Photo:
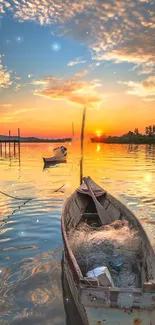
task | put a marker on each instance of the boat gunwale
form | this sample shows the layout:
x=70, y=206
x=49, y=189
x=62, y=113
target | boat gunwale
x=109, y=297
x=75, y=269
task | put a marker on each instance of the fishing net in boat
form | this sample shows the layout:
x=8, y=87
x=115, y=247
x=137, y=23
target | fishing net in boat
x=115, y=246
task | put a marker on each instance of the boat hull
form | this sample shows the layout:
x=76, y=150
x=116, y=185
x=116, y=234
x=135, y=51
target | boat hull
x=74, y=290
x=113, y=316
x=99, y=305
x=53, y=160
x=106, y=316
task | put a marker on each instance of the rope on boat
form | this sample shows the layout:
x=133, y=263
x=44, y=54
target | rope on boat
x=26, y=200
x=58, y=189
x=16, y=198
x=29, y=199
x=4, y=220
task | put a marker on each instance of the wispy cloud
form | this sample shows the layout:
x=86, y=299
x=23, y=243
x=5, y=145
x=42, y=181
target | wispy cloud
x=13, y=116
x=73, y=90
x=39, y=82
x=17, y=87
x=5, y=105
x=118, y=31
x=81, y=74
x=5, y=76
x=24, y=110
x=144, y=89
x=75, y=62
x=149, y=83
x=9, y=119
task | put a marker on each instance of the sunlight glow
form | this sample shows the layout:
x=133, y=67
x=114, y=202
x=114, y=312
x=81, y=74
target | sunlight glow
x=148, y=177
x=98, y=133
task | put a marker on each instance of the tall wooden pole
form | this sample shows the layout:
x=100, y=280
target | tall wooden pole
x=82, y=140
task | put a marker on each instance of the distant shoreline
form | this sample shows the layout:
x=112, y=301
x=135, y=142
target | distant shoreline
x=33, y=140
x=142, y=139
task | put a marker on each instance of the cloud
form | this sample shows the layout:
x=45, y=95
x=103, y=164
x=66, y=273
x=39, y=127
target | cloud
x=74, y=90
x=13, y=116
x=5, y=76
x=5, y=105
x=75, y=62
x=39, y=82
x=17, y=87
x=24, y=110
x=144, y=89
x=118, y=31
x=149, y=83
x=9, y=119
x=81, y=74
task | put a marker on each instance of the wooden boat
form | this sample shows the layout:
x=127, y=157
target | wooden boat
x=60, y=156
x=102, y=305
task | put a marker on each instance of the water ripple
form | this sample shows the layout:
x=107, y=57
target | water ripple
x=30, y=235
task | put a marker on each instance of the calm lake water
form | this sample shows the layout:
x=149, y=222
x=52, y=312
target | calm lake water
x=31, y=289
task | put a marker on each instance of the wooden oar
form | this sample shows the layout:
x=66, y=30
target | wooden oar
x=103, y=215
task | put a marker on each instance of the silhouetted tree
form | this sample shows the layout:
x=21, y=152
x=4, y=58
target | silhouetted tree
x=147, y=130
x=130, y=133
x=136, y=131
x=153, y=129
x=150, y=129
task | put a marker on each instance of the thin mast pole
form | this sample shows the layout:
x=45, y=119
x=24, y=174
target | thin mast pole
x=82, y=141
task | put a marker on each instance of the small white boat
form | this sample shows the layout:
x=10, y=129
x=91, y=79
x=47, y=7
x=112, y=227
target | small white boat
x=100, y=304
x=59, y=157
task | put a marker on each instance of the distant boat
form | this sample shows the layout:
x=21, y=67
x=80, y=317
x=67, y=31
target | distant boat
x=59, y=157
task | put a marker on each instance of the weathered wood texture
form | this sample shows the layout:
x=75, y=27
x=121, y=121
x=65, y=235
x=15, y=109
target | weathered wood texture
x=79, y=206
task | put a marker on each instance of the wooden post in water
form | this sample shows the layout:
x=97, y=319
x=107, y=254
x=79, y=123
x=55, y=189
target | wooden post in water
x=19, y=135
x=9, y=141
x=5, y=147
x=1, y=148
x=14, y=148
x=82, y=140
x=19, y=144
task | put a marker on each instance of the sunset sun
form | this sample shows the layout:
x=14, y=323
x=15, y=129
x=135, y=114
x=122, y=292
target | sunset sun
x=98, y=133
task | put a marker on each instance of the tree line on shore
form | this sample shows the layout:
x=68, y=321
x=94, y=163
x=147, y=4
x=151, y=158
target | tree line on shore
x=149, y=131
x=131, y=137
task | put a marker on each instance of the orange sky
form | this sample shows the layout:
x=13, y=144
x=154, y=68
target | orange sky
x=116, y=115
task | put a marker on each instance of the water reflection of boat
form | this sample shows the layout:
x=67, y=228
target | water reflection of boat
x=98, y=303
x=71, y=311
x=54, y=160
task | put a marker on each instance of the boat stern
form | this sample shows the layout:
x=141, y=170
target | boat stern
x=113, y=308
x=115, y=316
